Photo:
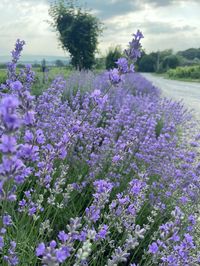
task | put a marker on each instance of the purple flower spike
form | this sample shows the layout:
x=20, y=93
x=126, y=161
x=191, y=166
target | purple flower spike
x=40, y=249
x=153, y=248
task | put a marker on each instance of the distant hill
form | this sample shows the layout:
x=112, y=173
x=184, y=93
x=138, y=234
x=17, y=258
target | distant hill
x=32, y=59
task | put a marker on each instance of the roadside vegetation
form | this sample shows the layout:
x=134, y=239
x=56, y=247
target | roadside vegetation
x=190, y=73
x=183, y=65
x=96, y=168
x=42, y=79
x=94, y=171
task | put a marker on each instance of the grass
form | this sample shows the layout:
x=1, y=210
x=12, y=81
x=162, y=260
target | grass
x=166, y=76
x=2, y=76
x=41, y=83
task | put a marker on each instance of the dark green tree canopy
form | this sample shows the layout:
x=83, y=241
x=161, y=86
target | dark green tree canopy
x=147, y=63
x=171, y=61
x=78, y=32
x=112, y=56
x=190, y=53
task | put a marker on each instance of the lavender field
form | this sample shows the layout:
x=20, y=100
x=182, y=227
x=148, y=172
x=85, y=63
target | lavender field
x=98, y=170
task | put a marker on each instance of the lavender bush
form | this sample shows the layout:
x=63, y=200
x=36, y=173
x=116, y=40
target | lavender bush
x=98, y=170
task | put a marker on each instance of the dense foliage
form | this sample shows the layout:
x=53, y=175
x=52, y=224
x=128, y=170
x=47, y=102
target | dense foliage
x=159, y=61
x=78, y=32
x=187, y=72
x=190, y=53
x=171, y=61
x=162, y=61
x=98, y=170
x=147, y=63
x=112, y=56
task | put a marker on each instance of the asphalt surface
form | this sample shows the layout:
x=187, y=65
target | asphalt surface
x=189, y=92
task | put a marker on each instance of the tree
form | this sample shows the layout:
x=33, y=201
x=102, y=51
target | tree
x=147, y=63
x=165, y=53
x=137, y=63
x=171, y=61
x=78, y=32
x=190, y=53
x=112, y=56
x=100, y=63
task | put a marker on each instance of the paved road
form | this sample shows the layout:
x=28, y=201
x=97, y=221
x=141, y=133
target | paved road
x=189, y=92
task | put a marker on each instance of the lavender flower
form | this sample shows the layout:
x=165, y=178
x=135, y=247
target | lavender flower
x=95, y=170
x=123, y=66
x=153, y=248
x=134, y=50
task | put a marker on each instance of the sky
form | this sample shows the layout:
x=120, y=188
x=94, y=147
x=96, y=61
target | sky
x=165, y=24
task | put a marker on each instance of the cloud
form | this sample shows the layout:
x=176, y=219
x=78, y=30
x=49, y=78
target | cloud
x=104, y=9
x=159, y=27
x=160, y=2
x=164, y=3
x=160, y=21
x=25, y=20
x=108, y=9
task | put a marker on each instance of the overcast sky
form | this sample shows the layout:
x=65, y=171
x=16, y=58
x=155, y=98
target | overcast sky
x=164, y=23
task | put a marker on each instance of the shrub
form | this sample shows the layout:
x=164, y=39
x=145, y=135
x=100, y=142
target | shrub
x=171, y=61
x=190, y=72
x=98, y=178
x=147, y=64
x=112, y=56
x=78, y=32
